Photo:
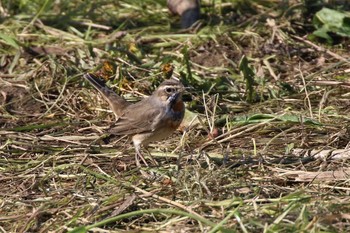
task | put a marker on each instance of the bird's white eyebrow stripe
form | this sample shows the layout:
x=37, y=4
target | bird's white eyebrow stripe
x=169, y=86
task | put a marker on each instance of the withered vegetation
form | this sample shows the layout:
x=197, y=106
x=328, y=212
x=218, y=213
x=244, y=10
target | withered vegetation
x=265, y=147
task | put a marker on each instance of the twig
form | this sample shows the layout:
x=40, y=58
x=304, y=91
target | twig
x=306, y=92
x=165, y=200
x=239, y=133
x=321, y=49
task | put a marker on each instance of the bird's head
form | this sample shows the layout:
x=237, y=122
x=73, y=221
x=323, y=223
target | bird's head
x=170, y=91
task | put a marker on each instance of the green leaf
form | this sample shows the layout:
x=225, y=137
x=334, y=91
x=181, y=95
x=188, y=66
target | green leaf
x=79, y=230
x=329, y=20
x=248, y=75
x=9, y=40
x=323, y=33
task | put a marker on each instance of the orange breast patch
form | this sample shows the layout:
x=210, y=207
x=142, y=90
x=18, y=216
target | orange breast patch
x=178, y=106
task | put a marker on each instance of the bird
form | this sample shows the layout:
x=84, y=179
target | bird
x=152, y=119
x=189, y=10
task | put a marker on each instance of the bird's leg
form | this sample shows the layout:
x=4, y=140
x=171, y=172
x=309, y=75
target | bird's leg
x=153, y=160
x=139, y=155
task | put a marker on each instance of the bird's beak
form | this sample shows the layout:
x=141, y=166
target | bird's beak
x=174, y=96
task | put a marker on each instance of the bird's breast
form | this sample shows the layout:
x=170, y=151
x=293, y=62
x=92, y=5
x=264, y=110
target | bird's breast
x=175, y=115
x=178, y=107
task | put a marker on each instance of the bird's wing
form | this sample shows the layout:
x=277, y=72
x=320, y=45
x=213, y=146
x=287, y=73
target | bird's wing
x=138, y=118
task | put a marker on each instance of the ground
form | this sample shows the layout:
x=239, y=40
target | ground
x=264, y=147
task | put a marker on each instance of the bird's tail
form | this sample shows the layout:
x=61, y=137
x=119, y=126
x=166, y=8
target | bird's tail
x=116, y=102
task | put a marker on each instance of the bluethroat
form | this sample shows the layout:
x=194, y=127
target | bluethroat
x=151, y=119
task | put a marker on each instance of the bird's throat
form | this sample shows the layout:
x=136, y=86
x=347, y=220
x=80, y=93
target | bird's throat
x=178, y=106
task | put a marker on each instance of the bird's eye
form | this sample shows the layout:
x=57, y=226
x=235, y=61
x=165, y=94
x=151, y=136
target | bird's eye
x=170, y=90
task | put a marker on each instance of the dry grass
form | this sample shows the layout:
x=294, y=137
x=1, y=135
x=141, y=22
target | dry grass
x=271, y=168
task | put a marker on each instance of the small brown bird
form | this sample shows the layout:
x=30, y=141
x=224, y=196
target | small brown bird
x=189, y=10
x=151, y=119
